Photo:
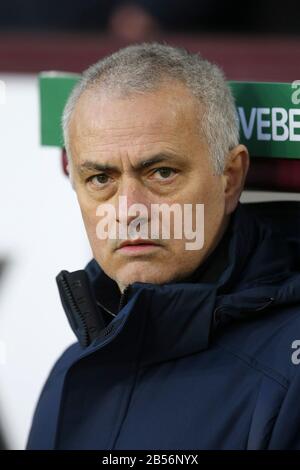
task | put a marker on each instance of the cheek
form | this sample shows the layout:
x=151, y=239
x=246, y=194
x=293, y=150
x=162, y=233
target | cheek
x=88, y=210
x=90, y=220
x=210, y=194
x=211, y=190
x=102, y=248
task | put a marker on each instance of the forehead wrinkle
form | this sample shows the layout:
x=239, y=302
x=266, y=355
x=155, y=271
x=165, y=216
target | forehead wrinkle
x=142, y=163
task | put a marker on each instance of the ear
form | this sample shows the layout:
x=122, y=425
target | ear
x=70, y=175
x=234, y=175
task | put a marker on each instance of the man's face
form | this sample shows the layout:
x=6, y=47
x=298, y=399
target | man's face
x=160, y=128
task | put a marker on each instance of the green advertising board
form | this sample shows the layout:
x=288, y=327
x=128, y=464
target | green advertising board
x=269, y=114
x=55, y=87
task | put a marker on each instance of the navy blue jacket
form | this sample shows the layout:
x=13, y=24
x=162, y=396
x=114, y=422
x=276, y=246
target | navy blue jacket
x=186, y=365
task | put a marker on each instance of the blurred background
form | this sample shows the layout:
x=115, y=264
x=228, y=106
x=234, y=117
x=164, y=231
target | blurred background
x=41, y=231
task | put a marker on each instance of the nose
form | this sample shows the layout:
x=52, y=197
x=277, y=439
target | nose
x=132, y=202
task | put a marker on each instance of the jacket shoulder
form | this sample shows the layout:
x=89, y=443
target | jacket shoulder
x=67, y=357
x=269, y=343
x=44, y=423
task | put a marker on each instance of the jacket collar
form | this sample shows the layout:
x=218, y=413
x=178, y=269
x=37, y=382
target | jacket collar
x=176, y=319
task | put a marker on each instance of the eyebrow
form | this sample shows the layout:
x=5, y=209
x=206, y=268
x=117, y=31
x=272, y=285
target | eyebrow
x=158, y=158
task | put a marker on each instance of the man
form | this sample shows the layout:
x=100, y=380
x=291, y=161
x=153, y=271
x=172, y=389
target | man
x=178, y=348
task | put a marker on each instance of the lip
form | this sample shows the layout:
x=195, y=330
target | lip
x=139, y=241
x=137, y=246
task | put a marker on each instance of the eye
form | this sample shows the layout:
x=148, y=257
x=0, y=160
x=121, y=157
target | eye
x=164, y=172
x=98, y=180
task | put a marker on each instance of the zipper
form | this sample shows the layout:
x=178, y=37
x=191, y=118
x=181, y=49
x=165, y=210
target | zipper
x=72, y=302
x=105, y=308
x=80, y=305
x=123, y=300
x=124, y=297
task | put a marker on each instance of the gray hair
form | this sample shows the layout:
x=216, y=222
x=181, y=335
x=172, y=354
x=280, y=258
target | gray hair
x=142, y=68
